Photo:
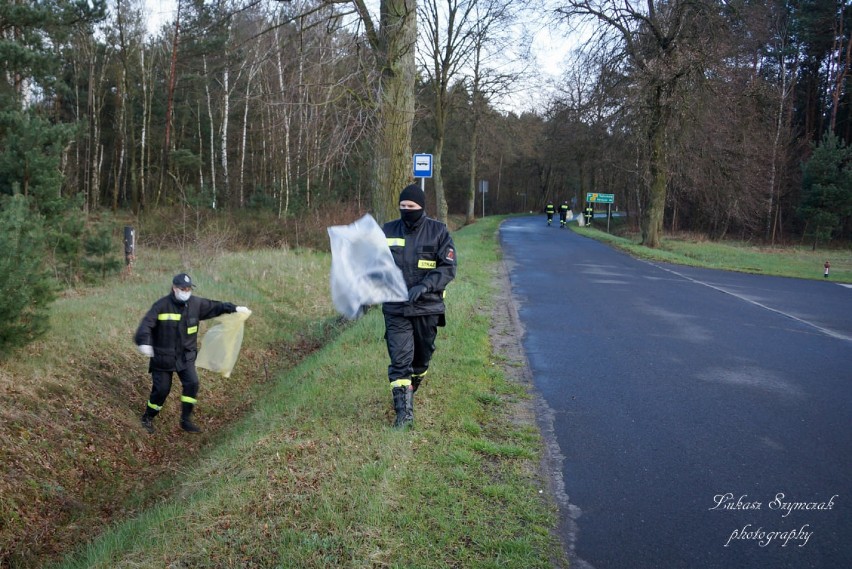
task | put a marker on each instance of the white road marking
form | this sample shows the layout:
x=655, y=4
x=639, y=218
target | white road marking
x=825, y=331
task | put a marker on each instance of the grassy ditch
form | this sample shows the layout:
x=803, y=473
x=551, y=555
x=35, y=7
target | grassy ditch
x=314, y=476
x=794, y=261
x=74, y=458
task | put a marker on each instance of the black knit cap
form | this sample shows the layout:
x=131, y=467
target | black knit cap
x=413, y=193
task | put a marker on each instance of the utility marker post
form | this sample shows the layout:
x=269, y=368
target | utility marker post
x=129, y=248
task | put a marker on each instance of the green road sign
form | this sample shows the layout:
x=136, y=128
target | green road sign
x=600, y=198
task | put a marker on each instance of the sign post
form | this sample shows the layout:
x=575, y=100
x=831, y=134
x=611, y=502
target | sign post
x=483, y=189
x=608, y=199
x=422, y=168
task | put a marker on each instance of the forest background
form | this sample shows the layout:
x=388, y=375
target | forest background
x=725, y=119
x=253, y=124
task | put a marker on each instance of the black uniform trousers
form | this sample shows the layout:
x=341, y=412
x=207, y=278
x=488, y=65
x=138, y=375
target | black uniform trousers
x=411, y=343
x=162, y=384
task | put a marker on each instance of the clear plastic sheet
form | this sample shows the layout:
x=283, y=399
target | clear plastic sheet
x=221, y=344
x=363, y=272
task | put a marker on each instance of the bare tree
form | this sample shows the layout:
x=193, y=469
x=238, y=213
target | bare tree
x=495, y=53
x=841, y=59
x=660, y=44
x=447, y=29
x=393, y=45
x=170, y=101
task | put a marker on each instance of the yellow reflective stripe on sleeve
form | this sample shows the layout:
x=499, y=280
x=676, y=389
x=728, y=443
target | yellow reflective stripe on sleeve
x=396, y=242
x=400, y=383
x=155, y=407
x=185, y=399
x=192, y=330
x=168, y=316
x=422, y=264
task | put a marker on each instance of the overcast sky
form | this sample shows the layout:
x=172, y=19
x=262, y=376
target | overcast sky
x=159, y=12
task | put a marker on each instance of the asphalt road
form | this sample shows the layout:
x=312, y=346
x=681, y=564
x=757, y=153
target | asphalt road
x=700, y=419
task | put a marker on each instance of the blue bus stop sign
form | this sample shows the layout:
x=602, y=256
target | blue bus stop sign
x=422, y=165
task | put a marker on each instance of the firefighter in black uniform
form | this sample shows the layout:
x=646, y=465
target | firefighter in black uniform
x=423, y=249
x=168, y=335
x=549, y=210
x=563, y=214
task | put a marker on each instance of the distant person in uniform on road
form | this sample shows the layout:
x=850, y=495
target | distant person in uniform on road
x=549, y=210
x=423, y=249
x=168, y=334
x=563, y=214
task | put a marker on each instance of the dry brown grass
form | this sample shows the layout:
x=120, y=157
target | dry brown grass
x=74, y=458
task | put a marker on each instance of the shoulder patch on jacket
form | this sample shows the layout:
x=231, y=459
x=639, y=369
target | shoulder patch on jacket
x=451, y=255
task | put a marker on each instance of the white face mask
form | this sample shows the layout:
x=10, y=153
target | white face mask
x=182, y=295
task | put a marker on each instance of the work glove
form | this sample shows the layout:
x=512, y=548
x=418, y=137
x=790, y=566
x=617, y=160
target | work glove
x=243, y=309
x=145, y=350
x=229, y=307
x=415, y=292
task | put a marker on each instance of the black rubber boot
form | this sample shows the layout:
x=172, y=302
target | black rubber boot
x=403, y=404
x=185, y=423
x=416, y=380
x=147, y=419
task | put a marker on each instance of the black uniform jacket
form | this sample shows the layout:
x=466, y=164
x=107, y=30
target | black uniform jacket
x=426, y=255
x=171, y=327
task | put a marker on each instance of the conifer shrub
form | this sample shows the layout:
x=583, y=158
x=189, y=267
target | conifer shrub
x=100, y=260
x=26, y=286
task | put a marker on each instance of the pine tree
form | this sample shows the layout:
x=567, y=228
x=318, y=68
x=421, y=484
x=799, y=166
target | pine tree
x=26, y=287
x=827, y=188
x=31, y=142
x=101, y=260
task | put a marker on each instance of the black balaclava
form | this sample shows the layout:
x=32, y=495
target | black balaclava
x=412, y=193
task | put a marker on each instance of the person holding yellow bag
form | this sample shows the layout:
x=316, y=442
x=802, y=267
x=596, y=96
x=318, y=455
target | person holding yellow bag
x=168, y=335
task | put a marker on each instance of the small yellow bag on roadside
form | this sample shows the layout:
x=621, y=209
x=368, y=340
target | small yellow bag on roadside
x=221, y=344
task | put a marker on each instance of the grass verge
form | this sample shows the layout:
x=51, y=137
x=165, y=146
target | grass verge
x=73, y=455
x=314, y=476
x=798, y=262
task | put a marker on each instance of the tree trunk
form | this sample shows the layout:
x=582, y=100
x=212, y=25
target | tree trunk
x=284, y=191
x=438, y=180
x=143, y=143
x=226, y=109
x=120, y=137
x=471, y=193
x=170, y=102
x=244, y=137
x=392, y=167
x=212, y=134
x=652, y=223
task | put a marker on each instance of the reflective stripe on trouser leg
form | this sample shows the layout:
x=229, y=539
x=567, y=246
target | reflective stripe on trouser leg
x=417, y=379
x=189, y=382
x=411, y=343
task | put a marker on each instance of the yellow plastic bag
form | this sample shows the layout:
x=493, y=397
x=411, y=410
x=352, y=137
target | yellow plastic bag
x=221, y=344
